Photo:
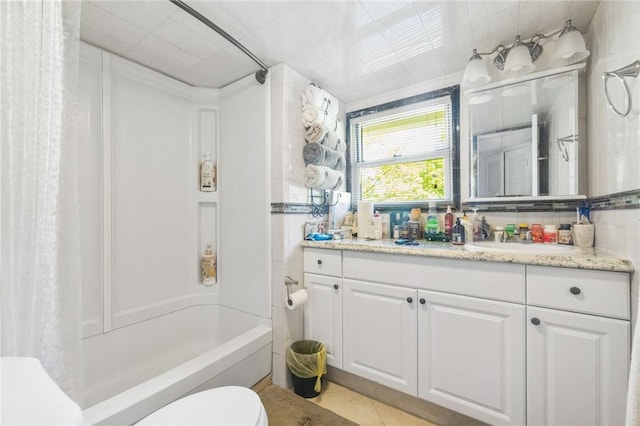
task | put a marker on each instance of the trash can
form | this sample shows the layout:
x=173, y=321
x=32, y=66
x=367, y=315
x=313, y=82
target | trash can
x=307, y=362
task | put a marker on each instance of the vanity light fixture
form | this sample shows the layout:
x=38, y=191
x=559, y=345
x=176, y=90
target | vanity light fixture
x=519, y=57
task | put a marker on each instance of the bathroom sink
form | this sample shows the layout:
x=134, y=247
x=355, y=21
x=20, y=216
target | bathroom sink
x=524, y=248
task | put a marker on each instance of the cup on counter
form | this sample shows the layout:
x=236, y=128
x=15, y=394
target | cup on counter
x=583, y=235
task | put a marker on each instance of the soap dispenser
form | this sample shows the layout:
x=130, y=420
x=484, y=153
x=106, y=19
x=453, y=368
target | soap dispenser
x=457, y=233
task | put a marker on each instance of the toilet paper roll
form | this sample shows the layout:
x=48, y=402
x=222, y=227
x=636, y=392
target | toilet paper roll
x=296, y=299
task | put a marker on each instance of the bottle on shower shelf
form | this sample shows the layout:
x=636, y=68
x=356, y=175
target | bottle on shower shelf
x=207, y=174
x=208, y=267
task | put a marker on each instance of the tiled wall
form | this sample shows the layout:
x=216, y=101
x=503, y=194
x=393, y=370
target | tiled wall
x=287, y=186
x=614, y=142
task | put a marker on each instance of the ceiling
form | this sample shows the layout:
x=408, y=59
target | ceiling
x=354, y=49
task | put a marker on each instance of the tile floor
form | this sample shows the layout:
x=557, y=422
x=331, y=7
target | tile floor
x=363, y=410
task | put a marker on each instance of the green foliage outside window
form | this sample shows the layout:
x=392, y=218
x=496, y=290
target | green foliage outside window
x=416, y=181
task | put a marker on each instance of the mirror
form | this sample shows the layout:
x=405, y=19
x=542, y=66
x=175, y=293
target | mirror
x=524, y=137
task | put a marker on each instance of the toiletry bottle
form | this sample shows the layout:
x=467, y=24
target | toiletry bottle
x=207, y=174
x=208, y=267
x=477, y=226
x=537, y=233
x=404, y=229
x=448, y=222
x=564, y=234
x=432, y=224
x=523, y=229
x=415, y=227
x=550, y=234
x=468, y=227
x=486, y=229
x=457, y=233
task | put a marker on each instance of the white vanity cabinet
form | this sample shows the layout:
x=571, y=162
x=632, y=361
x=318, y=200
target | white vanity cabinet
x=323, y=312
x=504, y=343
x=577, y=363
x=380, y=333
x=471, y=356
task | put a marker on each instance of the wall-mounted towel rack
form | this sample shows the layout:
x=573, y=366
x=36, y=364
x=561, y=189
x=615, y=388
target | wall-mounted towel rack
x=631, y=70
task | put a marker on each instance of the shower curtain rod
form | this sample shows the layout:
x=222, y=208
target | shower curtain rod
x=260, y=74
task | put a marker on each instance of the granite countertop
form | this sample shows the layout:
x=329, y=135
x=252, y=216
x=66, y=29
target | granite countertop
x=589, y=259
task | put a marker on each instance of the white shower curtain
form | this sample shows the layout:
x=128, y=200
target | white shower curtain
x=39, y=234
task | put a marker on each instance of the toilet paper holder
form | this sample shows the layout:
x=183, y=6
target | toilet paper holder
x=288, y=282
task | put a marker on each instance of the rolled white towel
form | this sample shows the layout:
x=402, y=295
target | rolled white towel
x=334, y=141
x=314, y=95
x=322, y=177
x=316, y=133
x=312, y=114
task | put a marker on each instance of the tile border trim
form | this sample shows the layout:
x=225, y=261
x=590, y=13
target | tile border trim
x=616, y=201
x=291, y=208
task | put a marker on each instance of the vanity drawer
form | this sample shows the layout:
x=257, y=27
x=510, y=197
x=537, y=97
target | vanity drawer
x=578, y=290
x=323, y=261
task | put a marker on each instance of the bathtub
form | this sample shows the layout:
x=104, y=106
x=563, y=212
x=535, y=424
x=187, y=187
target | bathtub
x=135, y=370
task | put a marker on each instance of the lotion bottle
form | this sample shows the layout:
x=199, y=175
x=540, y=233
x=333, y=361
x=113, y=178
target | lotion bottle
x=207, y=174
x=208, y=267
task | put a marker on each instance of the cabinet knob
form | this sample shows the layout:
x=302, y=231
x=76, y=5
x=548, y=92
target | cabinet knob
x=409, y=299
x=575, y=290
x=535, y=321
x=335, y=286
x=319, y=261
x=422, y=301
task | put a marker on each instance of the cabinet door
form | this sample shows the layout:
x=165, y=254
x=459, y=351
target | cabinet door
x=471, y=356
x=576, y=368
x=380, y=334
x=323, y=314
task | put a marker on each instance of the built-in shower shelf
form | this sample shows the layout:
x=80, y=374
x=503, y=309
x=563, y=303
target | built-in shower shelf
x=207, y=197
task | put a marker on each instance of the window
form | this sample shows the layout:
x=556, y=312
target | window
x=406, y=152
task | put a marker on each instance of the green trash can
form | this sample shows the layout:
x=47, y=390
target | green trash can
x=307, y=362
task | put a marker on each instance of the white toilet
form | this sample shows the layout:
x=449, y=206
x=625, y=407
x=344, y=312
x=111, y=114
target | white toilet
x=228, y=405
x=30, y=397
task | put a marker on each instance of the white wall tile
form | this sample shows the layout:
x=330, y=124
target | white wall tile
x=614, y=39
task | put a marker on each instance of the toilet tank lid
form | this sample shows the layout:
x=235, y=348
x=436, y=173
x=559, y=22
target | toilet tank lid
x=30, y=397
x=228, y=405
